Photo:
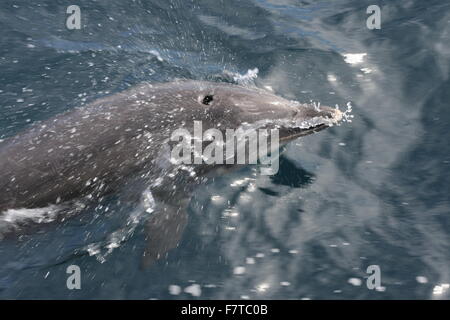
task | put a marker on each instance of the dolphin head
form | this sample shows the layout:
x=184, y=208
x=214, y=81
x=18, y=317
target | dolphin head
x=230, y=106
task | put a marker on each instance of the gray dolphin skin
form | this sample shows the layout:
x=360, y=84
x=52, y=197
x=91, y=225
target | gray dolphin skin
x=117, y=140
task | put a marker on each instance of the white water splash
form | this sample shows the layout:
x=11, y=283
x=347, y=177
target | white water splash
x=38, y=215
x=440, y=290
x=346, y=115
x=102, y=249
x=354, y=58
x=194, y=289
x=247, y=78
x=157, y=55
x=12, y=219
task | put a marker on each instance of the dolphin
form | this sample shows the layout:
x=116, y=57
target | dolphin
x=118, y=141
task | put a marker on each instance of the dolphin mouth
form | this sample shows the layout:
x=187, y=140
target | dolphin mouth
x=317, y=115
x=321, y=119
x=288, y=134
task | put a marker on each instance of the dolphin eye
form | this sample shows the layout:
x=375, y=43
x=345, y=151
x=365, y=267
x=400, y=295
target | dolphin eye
x=207, y=99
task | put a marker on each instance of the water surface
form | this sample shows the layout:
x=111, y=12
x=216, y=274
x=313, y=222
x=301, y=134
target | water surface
x=371, y=192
